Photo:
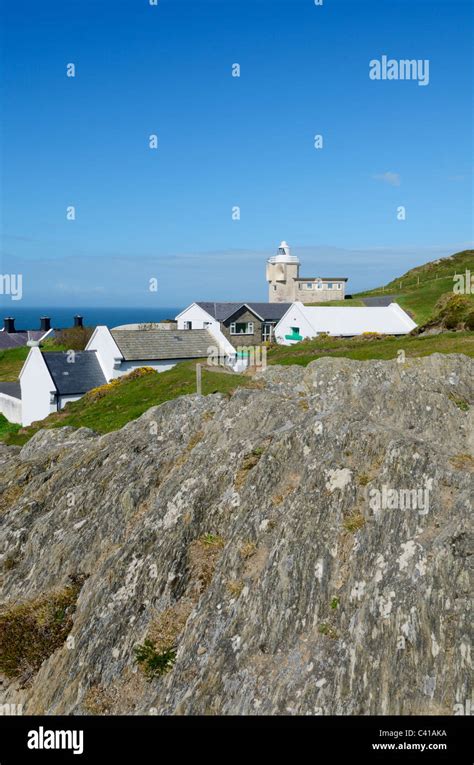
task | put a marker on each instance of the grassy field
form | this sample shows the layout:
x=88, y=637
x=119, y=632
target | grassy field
x=12, y=360
x=112, y=406
x=419, y=290
x=363, y=348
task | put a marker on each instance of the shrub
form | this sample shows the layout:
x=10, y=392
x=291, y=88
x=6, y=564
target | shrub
x=73, y=338
x=153, y=663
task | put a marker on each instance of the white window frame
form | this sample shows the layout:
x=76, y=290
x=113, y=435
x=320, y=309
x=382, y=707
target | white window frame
x=250, y=328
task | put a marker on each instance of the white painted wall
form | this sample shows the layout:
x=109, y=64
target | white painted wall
x=202, y=320
x=10, y=407
x=198, y=316
x=63, y=400
x=160, y=366
x=343, y=321
x=108, y=352
x=37, y=389
x=294, y=317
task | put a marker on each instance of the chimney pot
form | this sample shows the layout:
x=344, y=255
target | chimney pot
x=9, y=324
x=78, y=321
x=45, y=323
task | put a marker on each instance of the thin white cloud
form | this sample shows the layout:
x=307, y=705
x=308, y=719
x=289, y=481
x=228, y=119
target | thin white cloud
x=393, y=179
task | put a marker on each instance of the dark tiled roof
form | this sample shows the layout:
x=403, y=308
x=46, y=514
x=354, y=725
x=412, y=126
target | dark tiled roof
x=160, y=344
x=11, y=389
x=220, y=311
x=16, y=339
x=74, y=377
x=268, y=311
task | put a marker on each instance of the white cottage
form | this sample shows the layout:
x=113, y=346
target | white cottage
x=302, y=321
x=121, y=350
x=48, y=381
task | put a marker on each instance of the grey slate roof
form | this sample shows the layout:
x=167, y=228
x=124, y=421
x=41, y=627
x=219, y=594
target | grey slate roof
x=161, y=344
x=11, y=389
x=270, y=311
x=223, y=311
x=17, y=339
x=220, y=311
x=77, y=377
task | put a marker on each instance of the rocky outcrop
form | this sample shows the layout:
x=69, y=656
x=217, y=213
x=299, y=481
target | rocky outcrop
x=298, y=548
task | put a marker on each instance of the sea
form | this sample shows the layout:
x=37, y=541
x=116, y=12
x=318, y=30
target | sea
x=29, y=317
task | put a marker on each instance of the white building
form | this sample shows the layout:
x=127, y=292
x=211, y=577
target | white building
x=121, y=350
x=285, y=285
x=48, y=381
x=301, y=321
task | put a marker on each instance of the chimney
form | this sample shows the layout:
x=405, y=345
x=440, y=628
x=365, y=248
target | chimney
x=45, y=323
x=9, y=324
x=78, y=321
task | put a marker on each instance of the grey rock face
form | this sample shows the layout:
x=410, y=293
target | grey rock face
x=340, y=494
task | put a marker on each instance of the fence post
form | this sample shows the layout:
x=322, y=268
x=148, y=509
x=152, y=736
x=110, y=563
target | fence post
x=198, y=379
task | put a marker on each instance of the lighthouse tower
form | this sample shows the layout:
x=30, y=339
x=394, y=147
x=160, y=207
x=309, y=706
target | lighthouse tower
x=282, y=273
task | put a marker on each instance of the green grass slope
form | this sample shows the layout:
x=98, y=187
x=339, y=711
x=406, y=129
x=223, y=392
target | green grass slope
x=419, y=289
x=371, y=347
x=12, y=360
x=113, y=405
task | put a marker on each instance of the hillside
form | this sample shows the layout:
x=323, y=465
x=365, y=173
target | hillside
x=233, y=555
x=419, y=289
x=109, y=408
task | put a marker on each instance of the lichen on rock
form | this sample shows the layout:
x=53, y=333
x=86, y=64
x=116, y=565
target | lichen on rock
x=296, y=559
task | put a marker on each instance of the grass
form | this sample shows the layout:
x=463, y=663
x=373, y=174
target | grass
x=363, y=348
x=31, y=631
x=419, y=289
x=112, y=406
x=7, y=428
x=354, y=523
x=12, y=360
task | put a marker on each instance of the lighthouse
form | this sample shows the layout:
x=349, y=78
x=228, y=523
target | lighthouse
x=285, y=285
x=282, y=273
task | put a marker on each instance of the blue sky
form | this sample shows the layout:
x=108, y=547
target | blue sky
x=228, y=141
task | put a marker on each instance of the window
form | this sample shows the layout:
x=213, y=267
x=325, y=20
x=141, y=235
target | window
x=309, y=285
x=274, y=286
x=329, y=285
x=242, y=328
x=319, y=285
x=267, y=331
x=188, y=325
x=338, y=286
